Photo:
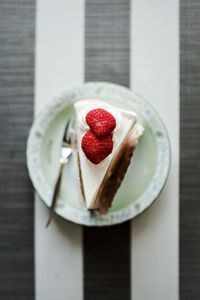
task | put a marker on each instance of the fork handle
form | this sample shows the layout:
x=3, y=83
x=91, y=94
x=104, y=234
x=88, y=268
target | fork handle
x=56, y=191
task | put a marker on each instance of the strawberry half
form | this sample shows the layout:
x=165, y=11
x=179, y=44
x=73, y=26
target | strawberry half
x=100, y=121
x=96, y=148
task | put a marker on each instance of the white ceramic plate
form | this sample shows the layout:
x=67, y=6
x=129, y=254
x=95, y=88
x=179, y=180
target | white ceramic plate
x=146, y=175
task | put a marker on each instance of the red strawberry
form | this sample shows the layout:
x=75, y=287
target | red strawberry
x=96, y=148
x=100, y=121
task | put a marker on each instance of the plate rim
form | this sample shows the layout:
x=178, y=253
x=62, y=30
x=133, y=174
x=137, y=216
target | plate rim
x=84, y=217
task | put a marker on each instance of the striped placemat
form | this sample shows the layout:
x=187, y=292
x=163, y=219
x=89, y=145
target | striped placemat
x=133, y=43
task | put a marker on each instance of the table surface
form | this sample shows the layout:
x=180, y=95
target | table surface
x=50, y=46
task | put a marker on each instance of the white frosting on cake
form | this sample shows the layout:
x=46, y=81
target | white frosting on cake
x=92, y=175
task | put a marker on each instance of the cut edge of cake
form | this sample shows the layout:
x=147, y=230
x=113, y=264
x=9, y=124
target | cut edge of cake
x=116, y=164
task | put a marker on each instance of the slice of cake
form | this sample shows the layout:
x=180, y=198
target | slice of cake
x=106, y=139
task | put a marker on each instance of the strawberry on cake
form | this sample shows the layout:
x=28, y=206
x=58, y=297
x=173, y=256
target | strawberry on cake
x=106, y=139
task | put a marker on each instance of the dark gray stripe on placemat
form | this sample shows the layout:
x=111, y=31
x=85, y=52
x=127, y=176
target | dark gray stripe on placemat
x=107, y=263
x=16, y=112
x=107, y=250
x=190, y=151
x=107, y=38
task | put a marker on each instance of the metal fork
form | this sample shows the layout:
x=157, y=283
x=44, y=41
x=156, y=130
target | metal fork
x=66, y=151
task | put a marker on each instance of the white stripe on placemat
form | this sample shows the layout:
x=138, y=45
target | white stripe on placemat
x=59, y=66
x=155, y=75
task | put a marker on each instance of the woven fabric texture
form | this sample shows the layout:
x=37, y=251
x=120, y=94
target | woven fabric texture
x=107, y=38
x=190, y=150
x=16, y=114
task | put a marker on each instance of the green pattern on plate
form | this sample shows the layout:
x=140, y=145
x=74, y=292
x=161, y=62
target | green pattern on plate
x=146, y=175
